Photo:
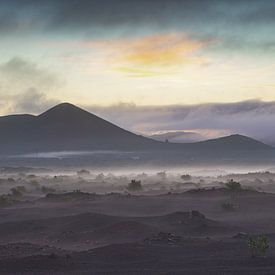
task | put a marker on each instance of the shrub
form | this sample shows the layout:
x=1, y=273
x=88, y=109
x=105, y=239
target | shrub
x=83, y=173
x=34, y=183
x=233, y=185
x=134, y=185
x=4, y=200
x=46, y=189
x=162, y=175
x=258, y=245
x=186, y=177
x=16, y=192
x=21, y=188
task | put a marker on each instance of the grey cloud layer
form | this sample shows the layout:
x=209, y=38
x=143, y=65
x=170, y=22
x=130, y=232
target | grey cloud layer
x=252, y=118
x=248, y=23
x=24, y=86
x=22, y=70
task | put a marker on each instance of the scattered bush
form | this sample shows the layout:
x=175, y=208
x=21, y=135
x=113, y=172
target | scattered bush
x=34, y=183
x=233, y=185
x=18, y=191
x=4, y=200
x=186, y=177
x=162, y=175
x=47, y=190
x=258, y=245
x=21, y=188
x=83, y=173
x=15, y=192
x=134, y=185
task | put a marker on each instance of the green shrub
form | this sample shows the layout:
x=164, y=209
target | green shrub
x=233, y=185
x=258, y=245
x=134, y=185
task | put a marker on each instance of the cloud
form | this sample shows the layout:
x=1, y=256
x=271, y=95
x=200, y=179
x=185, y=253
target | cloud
x=122, y=13
x=18, y=69
x=25, y=86
x=7, y=25
x=252, y=118
x=32, y=101
x=104, y=13
x=152, y=55
x=244, y=23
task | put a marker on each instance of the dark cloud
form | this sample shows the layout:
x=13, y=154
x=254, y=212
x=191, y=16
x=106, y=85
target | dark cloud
x=253, y=118
x=83, y=13
x=209, y=18
x=7, y=24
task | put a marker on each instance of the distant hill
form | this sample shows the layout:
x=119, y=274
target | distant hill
x=178, y=137
x=236, y=142
x=66, y=127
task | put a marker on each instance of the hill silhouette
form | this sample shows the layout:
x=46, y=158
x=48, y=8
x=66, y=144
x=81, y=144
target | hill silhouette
x=66, y=127
x=238, y=142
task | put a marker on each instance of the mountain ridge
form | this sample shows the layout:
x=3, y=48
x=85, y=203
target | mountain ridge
x=66, y=127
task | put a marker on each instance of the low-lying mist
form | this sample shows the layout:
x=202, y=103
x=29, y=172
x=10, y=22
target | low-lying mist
x=31, y=183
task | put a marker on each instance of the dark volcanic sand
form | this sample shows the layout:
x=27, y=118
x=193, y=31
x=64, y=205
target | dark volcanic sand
x=118, y=234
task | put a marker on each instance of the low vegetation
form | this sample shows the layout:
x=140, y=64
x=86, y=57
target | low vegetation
x=5, y=200
x=34, y=183
x=258, y=245
x=186, y=177
x=162, y=175
x=46, y=190
x=233, y=185
x=134, y=185
x=83, y=173
x=18, y=191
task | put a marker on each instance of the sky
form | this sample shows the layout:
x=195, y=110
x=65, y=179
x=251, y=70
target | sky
x=190, y=69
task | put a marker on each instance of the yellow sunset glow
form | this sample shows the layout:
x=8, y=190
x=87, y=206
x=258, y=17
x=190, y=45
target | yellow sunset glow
x=152, y=55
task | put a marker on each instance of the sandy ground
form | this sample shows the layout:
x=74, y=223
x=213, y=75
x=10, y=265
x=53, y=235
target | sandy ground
x=174, y=232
